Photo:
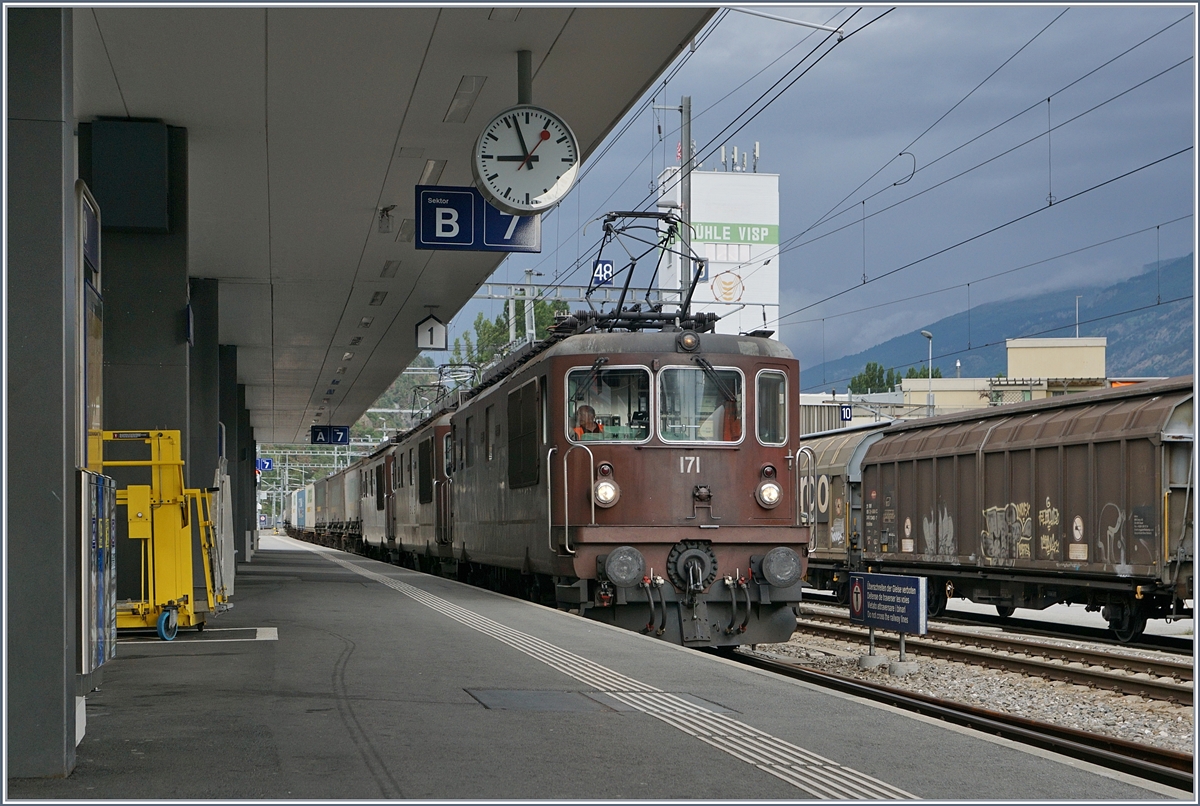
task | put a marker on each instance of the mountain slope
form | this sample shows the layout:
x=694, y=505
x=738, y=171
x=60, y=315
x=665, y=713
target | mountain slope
x=1145, y=337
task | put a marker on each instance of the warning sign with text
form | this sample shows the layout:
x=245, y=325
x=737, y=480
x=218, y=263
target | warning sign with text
x=889, y=602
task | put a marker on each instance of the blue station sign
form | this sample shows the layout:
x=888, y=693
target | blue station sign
x=458, y=218
x=890, y=602
x=329, y=435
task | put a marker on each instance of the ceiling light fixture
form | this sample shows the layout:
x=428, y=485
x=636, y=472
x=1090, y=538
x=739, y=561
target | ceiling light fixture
x=340, y=371
x=464, y=98
x=354, y=342
x=348, y=356
x=408, y=229
x=389, y=268
x=366, y=321
x=432, y=173
x=378, y=297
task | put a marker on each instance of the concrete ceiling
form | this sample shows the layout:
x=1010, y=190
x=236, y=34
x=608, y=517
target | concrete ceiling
x=304, y=122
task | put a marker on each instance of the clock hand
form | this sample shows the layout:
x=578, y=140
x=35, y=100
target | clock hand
x=517, y=158
x=521, y=137
x=543, y=137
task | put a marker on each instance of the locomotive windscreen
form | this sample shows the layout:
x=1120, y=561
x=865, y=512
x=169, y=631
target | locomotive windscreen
x=700, y=406
x=609, y=404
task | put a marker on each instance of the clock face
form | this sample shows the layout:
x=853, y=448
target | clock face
x=525, y=160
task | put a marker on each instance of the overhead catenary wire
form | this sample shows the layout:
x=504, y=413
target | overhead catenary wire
x=702, y=154
x=992, y=276
x=820, y=220
x=790, y=244
x=986, y=232
x=782, y=249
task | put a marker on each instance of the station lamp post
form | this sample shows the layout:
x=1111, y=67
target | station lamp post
x=929, y=397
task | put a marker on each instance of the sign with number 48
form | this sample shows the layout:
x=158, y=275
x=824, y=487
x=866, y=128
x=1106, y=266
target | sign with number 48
x=602, y=272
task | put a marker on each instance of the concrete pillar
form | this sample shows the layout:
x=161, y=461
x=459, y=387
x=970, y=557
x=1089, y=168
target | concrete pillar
x=42, y=540
x=204, y=384
x=247, y=453
x=228, y=407
x=146, y=327
x=146, y=376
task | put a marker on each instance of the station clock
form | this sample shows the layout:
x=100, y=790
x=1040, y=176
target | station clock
x=525, y=160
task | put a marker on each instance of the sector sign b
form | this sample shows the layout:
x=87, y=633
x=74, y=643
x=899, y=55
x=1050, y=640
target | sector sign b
x=460, y=219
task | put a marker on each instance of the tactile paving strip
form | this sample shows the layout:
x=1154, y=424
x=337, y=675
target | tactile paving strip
x=819, y=777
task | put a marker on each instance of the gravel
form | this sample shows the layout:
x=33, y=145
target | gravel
x=1130, y=717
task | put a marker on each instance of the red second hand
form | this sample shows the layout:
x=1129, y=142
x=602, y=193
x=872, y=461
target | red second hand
x=545, y=135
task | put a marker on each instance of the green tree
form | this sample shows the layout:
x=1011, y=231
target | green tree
x=491, y=335
x=923, y=372
x=874, y=379
x=378, y=425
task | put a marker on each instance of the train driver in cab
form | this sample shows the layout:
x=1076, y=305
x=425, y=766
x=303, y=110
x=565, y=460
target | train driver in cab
x=586, y=426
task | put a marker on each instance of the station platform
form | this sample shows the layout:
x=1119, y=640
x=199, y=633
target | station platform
x=336, y=677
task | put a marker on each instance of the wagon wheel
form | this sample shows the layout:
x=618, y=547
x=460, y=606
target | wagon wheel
x=1132, y=631
x=937, y=599
x=841, y=592
x=1004, y=611
x=1126, y=622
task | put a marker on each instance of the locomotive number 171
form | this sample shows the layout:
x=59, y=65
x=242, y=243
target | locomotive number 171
x=689, y=464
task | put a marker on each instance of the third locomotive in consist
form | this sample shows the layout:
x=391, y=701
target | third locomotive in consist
x=1083, y=499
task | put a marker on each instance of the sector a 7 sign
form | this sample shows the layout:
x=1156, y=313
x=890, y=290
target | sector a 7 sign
x=329, y=435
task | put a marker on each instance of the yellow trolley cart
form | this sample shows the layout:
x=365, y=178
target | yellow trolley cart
x=164, y=517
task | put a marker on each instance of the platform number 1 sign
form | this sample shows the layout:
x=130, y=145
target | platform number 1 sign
x=602, y=272
x=431, y=334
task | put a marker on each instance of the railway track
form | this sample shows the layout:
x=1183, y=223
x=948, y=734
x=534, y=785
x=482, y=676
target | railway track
x=1144, y=761
x=1159, y=679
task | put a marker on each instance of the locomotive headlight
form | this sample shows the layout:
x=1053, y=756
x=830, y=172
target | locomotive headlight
x=781, y=567
x=625, y=566
x=606, y=492
x=688, y=341
x=769, y=493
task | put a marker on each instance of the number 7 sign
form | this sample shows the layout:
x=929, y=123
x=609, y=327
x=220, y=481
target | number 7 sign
x=511, y=233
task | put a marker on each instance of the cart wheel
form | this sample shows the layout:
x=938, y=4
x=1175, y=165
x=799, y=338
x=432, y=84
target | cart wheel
x=200, y=627
x=166, y=630
x=1004, y=611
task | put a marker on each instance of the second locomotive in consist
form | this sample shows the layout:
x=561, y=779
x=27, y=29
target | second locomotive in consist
x=646, y=478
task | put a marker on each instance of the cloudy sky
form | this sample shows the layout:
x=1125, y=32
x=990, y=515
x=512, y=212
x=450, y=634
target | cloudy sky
x=954, y=88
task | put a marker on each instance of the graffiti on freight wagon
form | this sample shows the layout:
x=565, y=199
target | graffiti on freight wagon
x=1048, y=540
x=938, y=531
x=1007, y=534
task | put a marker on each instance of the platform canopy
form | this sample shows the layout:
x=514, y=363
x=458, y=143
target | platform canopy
x=304, y=122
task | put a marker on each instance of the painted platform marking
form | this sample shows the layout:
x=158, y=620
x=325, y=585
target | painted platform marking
x=816, y=775
x=260, y=634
